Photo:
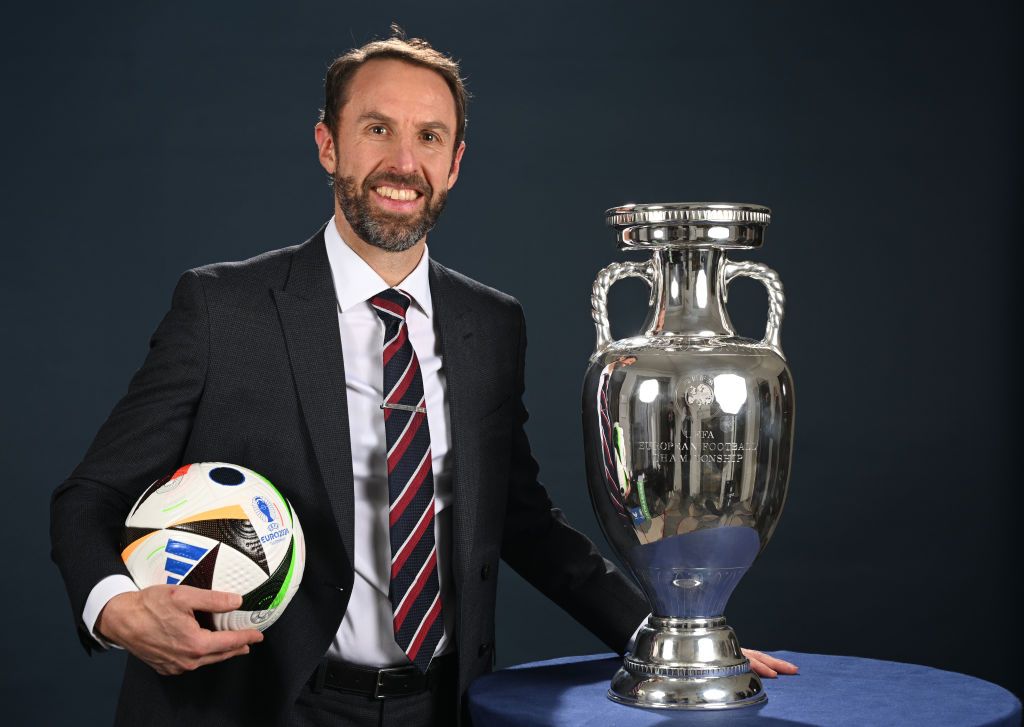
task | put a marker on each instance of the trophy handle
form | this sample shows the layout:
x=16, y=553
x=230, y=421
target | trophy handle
x=599, y=295
x=776, y=297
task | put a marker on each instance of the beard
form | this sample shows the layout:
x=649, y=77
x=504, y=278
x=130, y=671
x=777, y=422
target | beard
x=391, y=232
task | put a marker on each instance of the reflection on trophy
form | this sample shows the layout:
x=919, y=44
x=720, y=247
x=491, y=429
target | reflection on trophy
x=688, y=431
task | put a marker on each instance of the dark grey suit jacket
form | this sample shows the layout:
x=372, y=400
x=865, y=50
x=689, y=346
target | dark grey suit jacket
x=247, y=368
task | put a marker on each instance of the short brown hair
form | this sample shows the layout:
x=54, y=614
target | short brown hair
x=411, y=50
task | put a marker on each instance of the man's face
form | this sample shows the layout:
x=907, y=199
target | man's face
x=392, y=158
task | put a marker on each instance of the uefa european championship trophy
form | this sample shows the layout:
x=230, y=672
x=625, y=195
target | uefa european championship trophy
x=688, y=433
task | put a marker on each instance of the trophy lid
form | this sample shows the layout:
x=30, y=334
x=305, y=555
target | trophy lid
x=726, y=225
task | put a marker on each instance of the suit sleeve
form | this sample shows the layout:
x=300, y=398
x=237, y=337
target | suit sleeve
x=558, y=560
x=143, y=439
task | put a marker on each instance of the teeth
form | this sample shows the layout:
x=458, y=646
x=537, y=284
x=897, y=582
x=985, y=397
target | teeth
x=393, y=193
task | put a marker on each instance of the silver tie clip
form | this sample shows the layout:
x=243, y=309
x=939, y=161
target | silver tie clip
x=404, y=407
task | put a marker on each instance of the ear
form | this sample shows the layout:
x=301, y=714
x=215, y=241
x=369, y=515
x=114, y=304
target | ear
x=456, y=161
x=327, y=153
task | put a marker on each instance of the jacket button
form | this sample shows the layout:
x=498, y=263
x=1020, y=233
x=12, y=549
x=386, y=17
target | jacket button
x=484, y=648
x=485, y=572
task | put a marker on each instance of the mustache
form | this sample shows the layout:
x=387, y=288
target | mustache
x=411, y=181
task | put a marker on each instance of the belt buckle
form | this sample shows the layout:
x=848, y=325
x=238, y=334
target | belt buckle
x=379, y=686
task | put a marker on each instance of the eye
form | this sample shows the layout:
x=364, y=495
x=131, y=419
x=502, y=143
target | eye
x=430, y=136
x=378, y=129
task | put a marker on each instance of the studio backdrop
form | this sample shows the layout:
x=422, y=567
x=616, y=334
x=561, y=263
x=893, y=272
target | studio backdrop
x=143, y=140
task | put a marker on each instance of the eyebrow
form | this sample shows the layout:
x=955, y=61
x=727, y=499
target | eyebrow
x=378, y=116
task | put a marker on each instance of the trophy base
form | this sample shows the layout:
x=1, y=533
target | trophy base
x=693, y=663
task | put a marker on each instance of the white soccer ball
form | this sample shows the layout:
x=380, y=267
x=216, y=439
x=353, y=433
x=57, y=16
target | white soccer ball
x=222, y=527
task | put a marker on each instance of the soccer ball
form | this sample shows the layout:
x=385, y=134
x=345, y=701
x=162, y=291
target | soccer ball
x=222, y=527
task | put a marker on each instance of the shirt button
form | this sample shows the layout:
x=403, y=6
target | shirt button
x=485, y=572
x=484, y=648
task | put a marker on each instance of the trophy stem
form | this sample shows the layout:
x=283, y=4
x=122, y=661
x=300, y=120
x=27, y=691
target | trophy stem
x=686, y=663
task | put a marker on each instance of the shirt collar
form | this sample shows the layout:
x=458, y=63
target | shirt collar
x=356, y=282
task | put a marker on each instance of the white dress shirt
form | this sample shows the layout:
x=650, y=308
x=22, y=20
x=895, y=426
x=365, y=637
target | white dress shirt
x=366, y=635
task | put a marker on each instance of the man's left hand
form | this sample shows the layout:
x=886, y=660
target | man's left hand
x=768, y=666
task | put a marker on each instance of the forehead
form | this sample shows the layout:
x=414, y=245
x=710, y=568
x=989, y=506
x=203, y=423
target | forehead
x=400, y=90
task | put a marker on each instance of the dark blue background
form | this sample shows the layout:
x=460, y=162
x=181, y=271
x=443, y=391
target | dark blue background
x=141, y=141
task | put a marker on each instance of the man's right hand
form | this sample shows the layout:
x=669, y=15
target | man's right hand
x=158, y=626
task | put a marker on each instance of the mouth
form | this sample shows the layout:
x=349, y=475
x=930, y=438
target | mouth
x=397, y=199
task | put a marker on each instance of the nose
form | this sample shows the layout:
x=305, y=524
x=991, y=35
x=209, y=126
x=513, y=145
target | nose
x=402, y=157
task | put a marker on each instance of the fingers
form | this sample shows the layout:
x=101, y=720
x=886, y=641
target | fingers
x=208, y=647
x=779, y=665
x=221, y=656
x=768, y=666
x=762, y=669
x=200, y=599
x=214, y=642
x=180, y=665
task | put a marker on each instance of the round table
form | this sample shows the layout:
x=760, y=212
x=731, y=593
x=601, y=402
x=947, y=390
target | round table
x=829, y=690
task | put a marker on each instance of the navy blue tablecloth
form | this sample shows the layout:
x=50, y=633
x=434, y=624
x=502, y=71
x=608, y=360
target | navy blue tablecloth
x=829, y=690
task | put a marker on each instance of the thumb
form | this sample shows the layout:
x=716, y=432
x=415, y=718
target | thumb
x=201, y=599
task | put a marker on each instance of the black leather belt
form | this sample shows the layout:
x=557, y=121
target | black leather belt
x=397, y=681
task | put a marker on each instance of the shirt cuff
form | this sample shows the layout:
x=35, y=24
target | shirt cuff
x=632, y=639
x=101, y=593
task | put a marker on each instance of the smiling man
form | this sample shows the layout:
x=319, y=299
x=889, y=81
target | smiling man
x=382, y=392
x=402, y=145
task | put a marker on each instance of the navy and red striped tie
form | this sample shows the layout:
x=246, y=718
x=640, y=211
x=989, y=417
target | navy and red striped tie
x=415, y=592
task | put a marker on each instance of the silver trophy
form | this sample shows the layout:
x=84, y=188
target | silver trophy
x=688, y=432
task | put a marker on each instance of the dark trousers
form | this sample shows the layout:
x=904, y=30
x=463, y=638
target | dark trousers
x=332, y=708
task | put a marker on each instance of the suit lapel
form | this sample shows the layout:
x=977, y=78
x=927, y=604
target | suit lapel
x=308, y=309
x=457, y=325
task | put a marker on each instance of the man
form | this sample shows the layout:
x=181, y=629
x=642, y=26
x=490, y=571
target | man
x=382, y=392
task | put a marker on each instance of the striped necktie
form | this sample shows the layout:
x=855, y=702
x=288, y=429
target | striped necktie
x=415, y=590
